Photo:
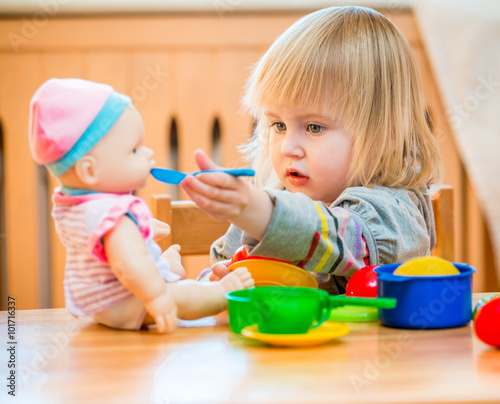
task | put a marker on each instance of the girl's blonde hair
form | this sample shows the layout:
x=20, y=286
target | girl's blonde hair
x=353, y=65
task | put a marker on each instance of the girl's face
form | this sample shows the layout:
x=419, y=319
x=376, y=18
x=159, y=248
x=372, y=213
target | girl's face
x=123, y=162
x=309, y=152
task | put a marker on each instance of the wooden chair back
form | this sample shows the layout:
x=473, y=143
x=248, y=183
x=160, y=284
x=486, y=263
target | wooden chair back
x=442, y=205
x=195, y=231
x=191, y=228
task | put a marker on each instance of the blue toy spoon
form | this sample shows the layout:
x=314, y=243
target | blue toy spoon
x=175, y=177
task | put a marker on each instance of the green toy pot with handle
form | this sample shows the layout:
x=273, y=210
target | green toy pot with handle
x=289, y=310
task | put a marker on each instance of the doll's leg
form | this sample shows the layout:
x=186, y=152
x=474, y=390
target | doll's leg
x=129, y=314
x=200, y=299
x=193, y=299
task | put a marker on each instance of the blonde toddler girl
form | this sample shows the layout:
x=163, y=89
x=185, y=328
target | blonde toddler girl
x=344, y=155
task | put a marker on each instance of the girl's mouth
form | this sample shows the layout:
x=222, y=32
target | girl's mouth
x=290, y=171
x=295, y=177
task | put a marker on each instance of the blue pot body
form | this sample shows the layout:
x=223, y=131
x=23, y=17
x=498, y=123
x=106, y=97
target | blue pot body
x=426, y=302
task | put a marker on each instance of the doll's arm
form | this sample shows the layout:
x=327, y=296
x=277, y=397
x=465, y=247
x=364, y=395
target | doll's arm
x=130, y=262
x=224, y=197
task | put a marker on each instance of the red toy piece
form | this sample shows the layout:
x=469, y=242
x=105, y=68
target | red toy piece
x=241, y=254
x=363, y=283
x=487, y=320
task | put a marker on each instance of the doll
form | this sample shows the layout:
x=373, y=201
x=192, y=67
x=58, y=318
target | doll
x=91, y=139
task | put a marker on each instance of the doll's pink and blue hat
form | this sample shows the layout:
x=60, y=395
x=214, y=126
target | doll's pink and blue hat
x=68, y=117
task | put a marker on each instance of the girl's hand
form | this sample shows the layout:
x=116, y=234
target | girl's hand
x=224, y=197
x=221, y=196
x=164, y=311
x=160, y=229
x=219, y=271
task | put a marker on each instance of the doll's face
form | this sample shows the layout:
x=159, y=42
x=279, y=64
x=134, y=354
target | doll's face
x=122, y=162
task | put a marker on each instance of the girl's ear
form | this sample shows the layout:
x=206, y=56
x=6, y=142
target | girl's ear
x=86, y=170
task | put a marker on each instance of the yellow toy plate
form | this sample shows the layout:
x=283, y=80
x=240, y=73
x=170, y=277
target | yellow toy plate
x=316, y=336
x=276, y=273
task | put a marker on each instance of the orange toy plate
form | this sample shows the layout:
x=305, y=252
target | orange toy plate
x=276, y=273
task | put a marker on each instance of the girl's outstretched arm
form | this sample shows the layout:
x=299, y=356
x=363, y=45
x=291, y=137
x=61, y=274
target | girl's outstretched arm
x=224, y=197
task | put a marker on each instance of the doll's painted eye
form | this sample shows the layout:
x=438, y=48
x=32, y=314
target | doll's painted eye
x=134, y=150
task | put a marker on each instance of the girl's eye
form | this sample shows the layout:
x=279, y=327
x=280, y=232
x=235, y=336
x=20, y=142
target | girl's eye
x=313, y=128
x=134, y=150
x=280, y=126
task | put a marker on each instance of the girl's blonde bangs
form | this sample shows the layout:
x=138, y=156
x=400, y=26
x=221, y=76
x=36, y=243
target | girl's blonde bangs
x=299, y=89
x=297, y=71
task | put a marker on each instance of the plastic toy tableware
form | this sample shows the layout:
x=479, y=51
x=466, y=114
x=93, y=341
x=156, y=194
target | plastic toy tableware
x=354, y=314
x=487, y=320
x=175, y=177
x=295, y=310
x=245, y=308
x=426, y=302
x=363, y=283
x=269, y=272
x=324, y=333
x=426, y=266
x=241, y=254
x=242, y=309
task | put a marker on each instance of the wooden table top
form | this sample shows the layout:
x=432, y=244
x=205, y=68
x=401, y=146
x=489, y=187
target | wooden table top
x=61, y=359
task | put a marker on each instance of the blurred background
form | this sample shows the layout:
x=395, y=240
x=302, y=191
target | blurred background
x=184, y=64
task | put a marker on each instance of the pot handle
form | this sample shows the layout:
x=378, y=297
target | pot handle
x=378, y=302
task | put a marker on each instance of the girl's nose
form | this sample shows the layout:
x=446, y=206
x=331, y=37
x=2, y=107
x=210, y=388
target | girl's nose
x=149, y=152
x=292, y=145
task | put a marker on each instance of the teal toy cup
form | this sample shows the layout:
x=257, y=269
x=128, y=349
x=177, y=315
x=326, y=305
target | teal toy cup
x=289, y=310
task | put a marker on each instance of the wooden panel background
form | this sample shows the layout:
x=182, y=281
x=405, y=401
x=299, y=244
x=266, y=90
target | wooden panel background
x=190, y=69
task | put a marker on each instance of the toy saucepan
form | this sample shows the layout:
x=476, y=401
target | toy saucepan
x=426, y=302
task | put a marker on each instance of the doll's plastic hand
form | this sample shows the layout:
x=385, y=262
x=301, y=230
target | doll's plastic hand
x=164, y=312
x=219, y=270
x=171, y=254
x=238, y=279
x=160, y=229
x=221, y=196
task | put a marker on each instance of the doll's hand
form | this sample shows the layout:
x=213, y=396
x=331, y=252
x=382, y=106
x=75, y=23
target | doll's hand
x=160, y=229
x=164, y=311
x=219, y=271
x=171, y=254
